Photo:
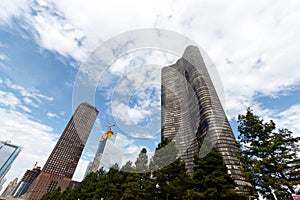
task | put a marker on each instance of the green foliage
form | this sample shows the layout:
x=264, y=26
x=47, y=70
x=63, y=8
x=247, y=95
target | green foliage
x=171, y=181
x=141, y=163
x=164, y=177
x=56, y=194
x=165, y=154
x=211, y=180
x=269, y=157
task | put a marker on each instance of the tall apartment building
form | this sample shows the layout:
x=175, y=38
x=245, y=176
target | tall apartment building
x=192, y=111
x=8, y=153
x=62, y=162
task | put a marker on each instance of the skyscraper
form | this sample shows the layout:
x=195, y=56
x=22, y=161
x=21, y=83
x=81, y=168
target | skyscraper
x=192, y=111
x=8, y=153
x=62, y=162
x=26, y=181
x=108, y=152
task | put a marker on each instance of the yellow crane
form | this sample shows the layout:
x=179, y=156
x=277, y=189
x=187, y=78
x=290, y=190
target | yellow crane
x=109, y=132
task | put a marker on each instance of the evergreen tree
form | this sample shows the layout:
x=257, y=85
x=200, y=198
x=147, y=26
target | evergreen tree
x=111, y=184
x=170, y=181
x=56, y=194
x=135, y=183
x=269, y=157
x=211, y=180
x=141, y=163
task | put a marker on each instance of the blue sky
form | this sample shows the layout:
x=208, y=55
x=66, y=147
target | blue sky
x=44, y=44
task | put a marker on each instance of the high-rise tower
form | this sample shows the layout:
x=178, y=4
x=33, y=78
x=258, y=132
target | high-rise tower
x=108, y=152
x=192, y=111
x=62, y=162
x=8, y=153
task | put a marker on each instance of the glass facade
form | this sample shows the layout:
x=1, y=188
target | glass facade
x=8, y=153
x=192, y=113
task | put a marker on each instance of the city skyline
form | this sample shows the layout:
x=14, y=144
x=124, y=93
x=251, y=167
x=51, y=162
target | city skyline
x=44, y=43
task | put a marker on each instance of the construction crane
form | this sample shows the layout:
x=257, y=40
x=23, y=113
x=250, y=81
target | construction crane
x=109, y=132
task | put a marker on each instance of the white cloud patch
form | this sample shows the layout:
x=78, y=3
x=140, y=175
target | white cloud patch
x=30, y=97
x=289, y=119
x=12, y=9
x=52, y=115
x=2, y=56
x=29, y=101
x=54, y=33
x=10, y=100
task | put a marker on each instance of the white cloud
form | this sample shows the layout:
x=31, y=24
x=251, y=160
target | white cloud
x=289, y=118
x=12, y=9
x=10, y=100
x=29, y=95
x=130, y=115
x=135, y=98
x=2, y=56
x=52, y=115
x=252, y=50
x=28, y=101
x=55, y=34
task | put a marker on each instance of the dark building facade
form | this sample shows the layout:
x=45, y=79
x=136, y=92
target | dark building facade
x=26, y=181
x=62, y=162
x=192, y=113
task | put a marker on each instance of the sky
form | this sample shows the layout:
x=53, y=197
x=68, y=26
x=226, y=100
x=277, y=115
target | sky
x=46, y=49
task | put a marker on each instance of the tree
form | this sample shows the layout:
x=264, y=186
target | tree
x=56, y=194
x=211, y=180
x=170, y=179
x=135, y=183
x=269, y=157
x=141, y=163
